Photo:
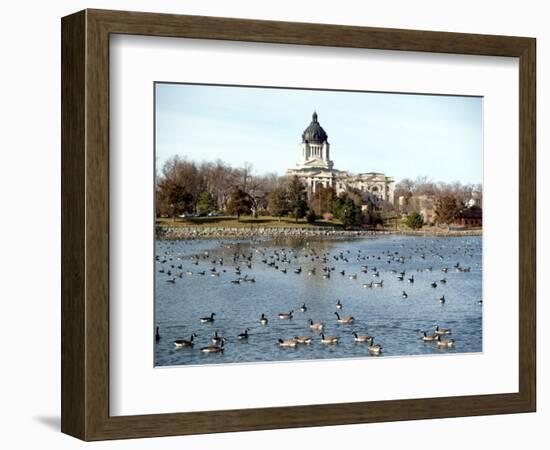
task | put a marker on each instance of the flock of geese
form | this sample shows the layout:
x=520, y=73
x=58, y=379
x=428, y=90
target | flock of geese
x=313, y=262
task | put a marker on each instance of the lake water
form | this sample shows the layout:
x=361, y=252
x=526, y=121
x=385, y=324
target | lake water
x=395, y=322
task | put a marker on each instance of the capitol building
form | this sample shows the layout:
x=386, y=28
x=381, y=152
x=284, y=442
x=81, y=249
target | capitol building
x=315, y=168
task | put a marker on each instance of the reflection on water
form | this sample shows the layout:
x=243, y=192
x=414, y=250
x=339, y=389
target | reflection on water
x=197, y=290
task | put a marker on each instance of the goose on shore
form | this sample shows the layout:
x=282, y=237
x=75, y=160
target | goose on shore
x=214, y=348
x=361, y=338
x=287, y=343
x=374, y=348
x=287, y=315
x=185, y=342
x=315, y=325
x=344, y=320
x=329, y=340
x=208, y=319
x=263, y=319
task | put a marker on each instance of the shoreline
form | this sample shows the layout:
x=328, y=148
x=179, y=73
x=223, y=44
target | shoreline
x=191, y=233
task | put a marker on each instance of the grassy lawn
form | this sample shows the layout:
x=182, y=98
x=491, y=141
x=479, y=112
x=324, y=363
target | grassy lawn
x=244, y=222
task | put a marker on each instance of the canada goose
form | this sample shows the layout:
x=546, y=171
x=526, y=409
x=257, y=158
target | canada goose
x=302, y=339
x=446, y=343
x=400, y=278
x=208, y=319
x=329, y=339
x=339, y=305
x=433, y=284
x=244, y=335
x=374, y=348
x=157, y=334
x=367, y=285
x=404, y=294
x=353, y=277
x=298, y=270
x=442, y=331
x=287, y=315
x=214, y=348
x=171, y=280
x=480, y=302
x=263, y=319
x=411, y=279
x=428, y=337
x=184, y=342
x=287, y=343
x=315, y=325
x=442, y=299
x=236, y=281
x=303, y=308
x=361, y=338
x=379, y=284
x=216, y=339
x=344, y=320
x=443, y=280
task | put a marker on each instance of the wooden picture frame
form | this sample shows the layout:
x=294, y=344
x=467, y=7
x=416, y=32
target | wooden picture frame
x=85, y=224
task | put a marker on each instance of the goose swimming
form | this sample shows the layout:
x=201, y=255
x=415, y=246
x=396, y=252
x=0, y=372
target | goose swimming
x=287, y=343
x=214, y=348
x=185, y=342
x=344, y=320
x=315, y=325
x=361, y=338
x=208, y=319
x=374, y=348
x=329, y=340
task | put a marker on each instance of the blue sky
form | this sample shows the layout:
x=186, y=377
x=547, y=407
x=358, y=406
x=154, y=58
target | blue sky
x=404, y=136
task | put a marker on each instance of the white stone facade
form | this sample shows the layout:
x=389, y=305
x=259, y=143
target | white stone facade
x=315, y=168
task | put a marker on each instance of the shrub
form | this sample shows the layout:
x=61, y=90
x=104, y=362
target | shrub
x=414, y=221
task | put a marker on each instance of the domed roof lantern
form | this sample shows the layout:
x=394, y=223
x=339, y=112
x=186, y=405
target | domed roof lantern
x=314, y=133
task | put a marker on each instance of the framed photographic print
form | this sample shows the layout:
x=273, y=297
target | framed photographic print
x=266, y=224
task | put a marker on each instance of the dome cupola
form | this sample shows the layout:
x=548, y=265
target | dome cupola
x=314, y=133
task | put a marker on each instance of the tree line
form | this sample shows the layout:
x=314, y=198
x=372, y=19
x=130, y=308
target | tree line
x=187, y=187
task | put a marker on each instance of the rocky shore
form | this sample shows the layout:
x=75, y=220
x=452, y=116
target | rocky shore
x=174, y=233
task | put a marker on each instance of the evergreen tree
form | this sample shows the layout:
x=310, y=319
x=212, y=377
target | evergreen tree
x=205, y=203
x=414, y=221
x=278, y=202
x=297, y=203
x=239, y=203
